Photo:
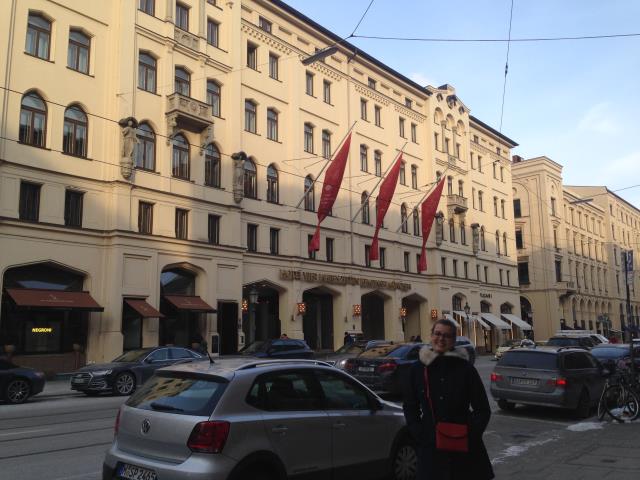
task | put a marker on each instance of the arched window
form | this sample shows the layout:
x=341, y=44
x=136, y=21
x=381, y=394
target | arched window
x=38, y=36
x=416, y=222
x=145, y=155
x=452, y=230
x=272, y=184
x=78, y=51
x=212, y=166
x=403, y=218
x=309, y=196
x=180, y=158
x=272, y=124
x=183, y=82
x=250, y=112
x=483, y=245
x=74, y=134
x=213, y=97
x=463, y=234
x=497, y=242
x=308, y=137
x=364, y=203
x=33, y=120
x=504, y=243
x=250, y=181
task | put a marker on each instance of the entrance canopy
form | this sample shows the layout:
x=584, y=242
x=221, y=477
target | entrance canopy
x=189, y=303
x=495, y=321
x=28, y=298
x=481, y=322
x=448, y=316
x=518, y=322
x=143, y=308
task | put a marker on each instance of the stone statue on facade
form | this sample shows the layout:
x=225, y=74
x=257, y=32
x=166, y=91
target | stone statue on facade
x=238, y=175
x=129, y=141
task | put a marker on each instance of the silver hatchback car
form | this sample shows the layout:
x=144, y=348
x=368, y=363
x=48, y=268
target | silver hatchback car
x=243, y=419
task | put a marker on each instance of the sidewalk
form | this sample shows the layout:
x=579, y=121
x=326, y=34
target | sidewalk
x=608, y=451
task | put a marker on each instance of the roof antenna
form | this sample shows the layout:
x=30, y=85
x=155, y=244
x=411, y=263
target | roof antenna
x=211, y=362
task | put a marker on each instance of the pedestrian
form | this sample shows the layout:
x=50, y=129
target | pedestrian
x=348, y=339
x=284, y=336
x=444, y=398
x=413, y=338
x=418, y=339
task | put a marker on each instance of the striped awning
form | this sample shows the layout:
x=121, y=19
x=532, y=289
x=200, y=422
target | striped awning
x=517, y=321
x=495, y=321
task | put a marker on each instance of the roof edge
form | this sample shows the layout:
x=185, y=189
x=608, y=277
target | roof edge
x=493, y=131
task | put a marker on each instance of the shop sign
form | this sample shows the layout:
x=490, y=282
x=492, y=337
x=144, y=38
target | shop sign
x=329, y=279
x=41, y=330
x=485, y=295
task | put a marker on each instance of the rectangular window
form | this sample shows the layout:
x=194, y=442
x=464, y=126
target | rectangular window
x=364, y=160
x=443, y=266
x=407, y=266
x=367, y=255
x=265, y=24
x=252, y=56
x=147, y=6
x=553, y=207
x=417, y=262
x=555, y=238
x=455, y=268
x=558, y=270
x=250, y=116
x=145, y=218
x=523, y=273
x=213, y=32
x=146, y=72
x=372, y=83
x=508, y=278
x=308, y=138
x=414, y=133
x=274, y=241
x=517, y=212
x=473, y=165
x=519, y=240
x=214, y=229
x=363, y=109
x=446, y=145
x=486, y=274
x=273, y=66
x=182, y=223
x=78, y=52
x=329, y=249
x=312, y=254
x=326, y=144
x=479, y=163
x=326, y=91
x=401, y=126
x=436, y=143
x=500, y=275
x=73, y=208
x=383, y=257
x=182, y=16
x=309, y=83
x=494, y=170
x=502, y=208
x=252, y=237
x=29, y=208
x=466, y=269
x=272, y=125
x=377, y=114
x=408, y=103
x=478, y=272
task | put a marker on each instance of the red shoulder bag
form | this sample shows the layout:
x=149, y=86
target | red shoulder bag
x=450, y=437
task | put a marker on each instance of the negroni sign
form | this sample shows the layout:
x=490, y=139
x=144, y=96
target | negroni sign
x=329, y=279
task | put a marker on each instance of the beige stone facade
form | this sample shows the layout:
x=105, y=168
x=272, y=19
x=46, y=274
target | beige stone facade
x=174, y=153
x=569, y=243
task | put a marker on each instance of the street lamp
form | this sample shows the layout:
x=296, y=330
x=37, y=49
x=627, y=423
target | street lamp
x=467, y=311
x=320, y=55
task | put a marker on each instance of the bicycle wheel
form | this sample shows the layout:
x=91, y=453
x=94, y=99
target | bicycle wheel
x=602, y=411
x=620, y=403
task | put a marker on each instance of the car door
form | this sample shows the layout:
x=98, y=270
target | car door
x=361, y=435
x=157, y=359
x=579, y=376
x=295, y=421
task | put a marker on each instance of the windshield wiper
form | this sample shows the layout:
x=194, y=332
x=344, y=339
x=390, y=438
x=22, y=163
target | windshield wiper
x=164, y=407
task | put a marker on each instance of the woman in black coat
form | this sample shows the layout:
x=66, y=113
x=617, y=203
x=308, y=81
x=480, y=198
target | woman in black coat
x=457, y=396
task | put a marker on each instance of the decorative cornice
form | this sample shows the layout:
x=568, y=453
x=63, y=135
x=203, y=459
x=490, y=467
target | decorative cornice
x=409, y=113
x=264, y=37
x=372, y=94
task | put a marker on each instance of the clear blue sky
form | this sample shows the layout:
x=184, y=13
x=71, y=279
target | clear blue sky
x=576, y=102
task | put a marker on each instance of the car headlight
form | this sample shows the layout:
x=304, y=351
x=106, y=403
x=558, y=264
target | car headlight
x=341, y=364
x=100, y=373
x=39, y=374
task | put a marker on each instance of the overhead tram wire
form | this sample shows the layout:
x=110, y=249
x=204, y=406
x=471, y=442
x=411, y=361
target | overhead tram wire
x=361, y=19
x=506, y=67
x=498, y=40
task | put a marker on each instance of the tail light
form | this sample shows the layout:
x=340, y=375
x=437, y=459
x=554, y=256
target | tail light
x=387, y=367
x=557, y=382
x=116, y=427
x=496, y=378
x=350, y=366
x=208, y=437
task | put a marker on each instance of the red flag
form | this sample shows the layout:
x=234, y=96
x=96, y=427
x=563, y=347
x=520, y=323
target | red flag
x=387, y=189
x=429, y=207
x=330, y=189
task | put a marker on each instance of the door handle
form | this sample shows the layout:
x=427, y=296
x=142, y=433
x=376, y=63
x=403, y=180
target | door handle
x=339, y=425
x=281, y=429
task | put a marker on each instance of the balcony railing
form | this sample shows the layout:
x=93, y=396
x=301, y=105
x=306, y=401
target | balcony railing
x=188, y=113
x=457, y=202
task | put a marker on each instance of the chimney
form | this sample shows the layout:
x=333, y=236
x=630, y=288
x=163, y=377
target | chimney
x=516, y=159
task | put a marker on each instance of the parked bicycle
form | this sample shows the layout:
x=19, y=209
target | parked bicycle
x=619, y=398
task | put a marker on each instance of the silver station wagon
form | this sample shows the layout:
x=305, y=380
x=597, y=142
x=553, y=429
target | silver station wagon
x=260, y=420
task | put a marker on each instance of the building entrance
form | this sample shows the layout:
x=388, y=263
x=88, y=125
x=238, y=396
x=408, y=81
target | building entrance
x=228, y=327
x=372, y=316
x=317, y=322
x=261, y=321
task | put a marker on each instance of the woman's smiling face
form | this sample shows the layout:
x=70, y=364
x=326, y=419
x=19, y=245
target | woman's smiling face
x=443, y=338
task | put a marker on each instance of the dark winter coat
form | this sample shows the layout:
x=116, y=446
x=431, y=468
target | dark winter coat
x=458, y=396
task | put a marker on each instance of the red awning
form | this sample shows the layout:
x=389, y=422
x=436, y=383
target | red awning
x=189, y=303
x=53, y=299
x=143, y=308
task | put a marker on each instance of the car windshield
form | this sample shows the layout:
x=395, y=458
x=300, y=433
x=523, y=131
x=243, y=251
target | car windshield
x=529, y=359
x=253, y=348
x=384, y=351
x=132, y=356
x=351, y=349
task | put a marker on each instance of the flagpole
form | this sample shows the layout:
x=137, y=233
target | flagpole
x=325, y=165
x=379, y=181
x=402, y=224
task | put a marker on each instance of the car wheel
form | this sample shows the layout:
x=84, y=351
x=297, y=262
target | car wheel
x=583, y=410
x=404, y=463
x=125, y=384
x=17, y=391
x=506, y=405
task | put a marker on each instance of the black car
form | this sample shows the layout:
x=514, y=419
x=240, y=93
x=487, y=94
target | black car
x=339, y=358
x=610, y=354
x=17, y=384
x=580, y=341
x=125, y=373
x=382, y=368
x=278, y=348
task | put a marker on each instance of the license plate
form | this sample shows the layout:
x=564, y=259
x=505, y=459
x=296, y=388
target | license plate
x=531, y=382
x=78, y=380
x=131, y=472
x=366, y=369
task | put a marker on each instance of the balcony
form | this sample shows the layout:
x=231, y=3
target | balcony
x=567, y=287
x=186, y=113
x=186, y=39
x=457, y=203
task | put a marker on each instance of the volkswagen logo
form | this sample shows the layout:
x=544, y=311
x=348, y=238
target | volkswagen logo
x=146, y=426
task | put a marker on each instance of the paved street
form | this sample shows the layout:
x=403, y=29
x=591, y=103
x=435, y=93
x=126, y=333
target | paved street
x=60, y=435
